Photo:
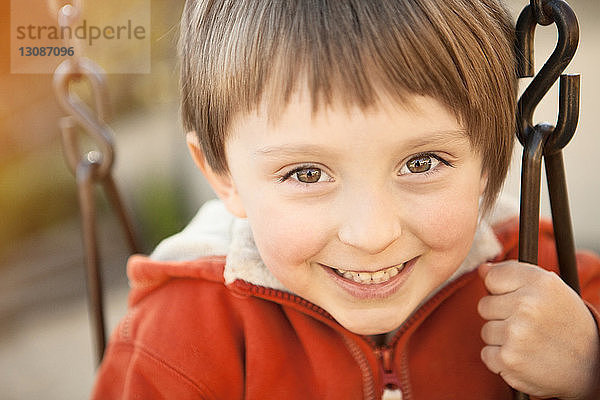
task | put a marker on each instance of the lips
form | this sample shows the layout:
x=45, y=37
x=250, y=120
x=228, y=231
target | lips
x=367, y=285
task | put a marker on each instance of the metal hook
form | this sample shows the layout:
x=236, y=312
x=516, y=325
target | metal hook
x=541, y=15
x=93, y=123
x=56, y=6
x=568, y=114
x=530, y=192
x=568, y=38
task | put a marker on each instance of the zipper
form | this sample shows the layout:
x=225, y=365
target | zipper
x=383, y=354
x=404, y=380
x=368, y=380
x=391, y=378
x=400, y=380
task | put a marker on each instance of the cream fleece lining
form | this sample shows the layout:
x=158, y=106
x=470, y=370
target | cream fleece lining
x=214, y=231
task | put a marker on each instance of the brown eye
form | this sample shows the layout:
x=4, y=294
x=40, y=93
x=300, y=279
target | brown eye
x=419, y=164
x=309, y=175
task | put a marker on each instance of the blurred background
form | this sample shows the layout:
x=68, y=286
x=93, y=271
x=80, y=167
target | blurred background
x=46, y=348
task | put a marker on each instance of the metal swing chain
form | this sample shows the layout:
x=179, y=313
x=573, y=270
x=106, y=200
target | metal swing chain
x=545, y=140
x=90, y=167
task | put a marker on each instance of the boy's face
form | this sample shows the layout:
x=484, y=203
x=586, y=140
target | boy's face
x=361, y=213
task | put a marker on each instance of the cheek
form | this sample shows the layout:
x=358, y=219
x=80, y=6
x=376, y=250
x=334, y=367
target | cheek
x=448, y=223
x=286, y=237
x=453, y=228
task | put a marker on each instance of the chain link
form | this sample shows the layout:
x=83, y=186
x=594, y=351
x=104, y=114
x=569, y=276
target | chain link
x=545, y=141
x=91, y=167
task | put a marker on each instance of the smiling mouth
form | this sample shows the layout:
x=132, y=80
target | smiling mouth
x=370, y=278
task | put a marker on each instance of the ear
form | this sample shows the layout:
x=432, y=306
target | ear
x=483, y=182
x=221, y=183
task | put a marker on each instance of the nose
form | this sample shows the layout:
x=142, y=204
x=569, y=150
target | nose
x=369, y=224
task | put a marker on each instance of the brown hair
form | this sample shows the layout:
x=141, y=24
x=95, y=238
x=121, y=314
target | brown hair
x=236, y=52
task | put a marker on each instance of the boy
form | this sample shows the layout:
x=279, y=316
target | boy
x=358, y=147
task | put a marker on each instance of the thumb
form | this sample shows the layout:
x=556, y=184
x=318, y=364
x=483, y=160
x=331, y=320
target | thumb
x=484, y=269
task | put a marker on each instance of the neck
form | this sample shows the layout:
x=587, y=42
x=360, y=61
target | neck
x=383, y=338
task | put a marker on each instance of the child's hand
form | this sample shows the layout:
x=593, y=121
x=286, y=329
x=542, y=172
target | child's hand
x=540, y=336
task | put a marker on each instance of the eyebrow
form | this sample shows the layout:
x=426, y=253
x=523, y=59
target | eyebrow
x=290, y=150
x=438, y=137
x=430, y=139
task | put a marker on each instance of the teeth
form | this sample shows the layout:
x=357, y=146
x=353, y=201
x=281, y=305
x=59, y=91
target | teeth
x=369, y=278
x=380, y=276
x=365, y=277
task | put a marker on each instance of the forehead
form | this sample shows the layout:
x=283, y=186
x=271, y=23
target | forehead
x=299, y=128
x=303, y=105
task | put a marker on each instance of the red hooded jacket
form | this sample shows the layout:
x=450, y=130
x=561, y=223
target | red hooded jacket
x=188, y=335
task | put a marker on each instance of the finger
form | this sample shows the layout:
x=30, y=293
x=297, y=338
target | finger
x=493, y=333
x=508, y=276
x=498, y=307
x=484, y=269
x=490, y=355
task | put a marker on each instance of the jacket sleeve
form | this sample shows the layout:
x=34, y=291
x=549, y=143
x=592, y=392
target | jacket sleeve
x=131, y=372
x=589, y=279
x=180, y=340
x=588, y=263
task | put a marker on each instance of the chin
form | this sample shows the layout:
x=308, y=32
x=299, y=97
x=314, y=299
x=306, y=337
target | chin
x=362, y=325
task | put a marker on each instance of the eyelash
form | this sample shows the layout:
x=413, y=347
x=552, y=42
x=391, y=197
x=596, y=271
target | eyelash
x=289, y=174
x=432, y=171
x=428, y=173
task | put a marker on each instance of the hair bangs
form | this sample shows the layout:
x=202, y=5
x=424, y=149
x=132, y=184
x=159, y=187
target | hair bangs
x=242, y=55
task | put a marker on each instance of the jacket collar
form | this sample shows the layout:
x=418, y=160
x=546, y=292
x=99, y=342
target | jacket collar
x=214, y=231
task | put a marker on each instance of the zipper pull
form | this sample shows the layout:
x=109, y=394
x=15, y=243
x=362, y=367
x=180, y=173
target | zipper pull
x=386, y=357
